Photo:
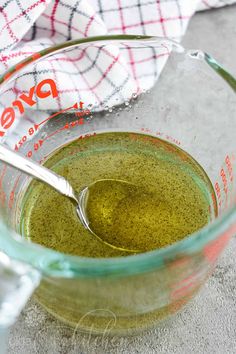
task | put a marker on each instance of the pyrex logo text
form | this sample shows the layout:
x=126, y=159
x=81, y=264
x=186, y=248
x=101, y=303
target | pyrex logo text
x=44, y=89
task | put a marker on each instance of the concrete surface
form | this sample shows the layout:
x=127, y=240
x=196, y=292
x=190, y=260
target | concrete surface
x=208, y=324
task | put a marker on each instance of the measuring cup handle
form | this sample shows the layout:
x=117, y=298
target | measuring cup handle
x=34, y=169
x=17, y=282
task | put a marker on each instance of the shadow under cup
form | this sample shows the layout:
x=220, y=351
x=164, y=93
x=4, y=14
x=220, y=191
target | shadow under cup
x=120, y=83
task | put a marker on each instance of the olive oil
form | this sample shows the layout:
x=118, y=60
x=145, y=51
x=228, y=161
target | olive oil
x=168, y=197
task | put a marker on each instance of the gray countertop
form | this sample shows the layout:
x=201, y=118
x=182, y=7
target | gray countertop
x=208, y=324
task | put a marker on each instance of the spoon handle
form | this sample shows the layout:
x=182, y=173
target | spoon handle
x=34, y=169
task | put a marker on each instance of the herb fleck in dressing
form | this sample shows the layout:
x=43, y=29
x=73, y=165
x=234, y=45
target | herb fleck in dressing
x=170, y=196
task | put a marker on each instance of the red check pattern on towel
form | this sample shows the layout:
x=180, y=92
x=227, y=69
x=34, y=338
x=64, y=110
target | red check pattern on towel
x=107, y=75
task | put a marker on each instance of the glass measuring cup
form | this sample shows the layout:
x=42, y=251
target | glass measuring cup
x=120, y=83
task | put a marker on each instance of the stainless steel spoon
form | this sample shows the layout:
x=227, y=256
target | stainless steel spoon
x=59, y=183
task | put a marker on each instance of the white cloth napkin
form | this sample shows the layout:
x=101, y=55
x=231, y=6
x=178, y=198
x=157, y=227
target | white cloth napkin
x=107, y=76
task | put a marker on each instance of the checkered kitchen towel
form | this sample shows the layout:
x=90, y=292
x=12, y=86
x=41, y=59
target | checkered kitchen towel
x=106, y=75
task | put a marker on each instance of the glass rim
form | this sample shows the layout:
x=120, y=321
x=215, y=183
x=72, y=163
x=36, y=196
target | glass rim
x=54, y=263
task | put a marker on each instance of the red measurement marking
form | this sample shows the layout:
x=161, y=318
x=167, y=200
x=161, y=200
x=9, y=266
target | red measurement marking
x=54, y=133
x=74, y=123
x=43, y=159
x=29, y=98
x=183, y=290
x=83, y=113
x=167, y=137
x=20, y=143
x=66, y=126
x=33, y=129
x=218, y=193
x=173, y=140
x=224, y=180
x=214, y=202
x=145, y=130
x=183, y=287
x=12, y=194
x=86, y=136
x=229, y=168
x=75, y=106
x=36, y=147
x=159, y=133
x=214, y=248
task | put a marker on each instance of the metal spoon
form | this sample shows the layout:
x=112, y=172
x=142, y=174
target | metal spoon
x=59, y=183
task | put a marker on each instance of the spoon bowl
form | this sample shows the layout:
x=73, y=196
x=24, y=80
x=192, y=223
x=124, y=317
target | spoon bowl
x=92, y=190
x=59, y=183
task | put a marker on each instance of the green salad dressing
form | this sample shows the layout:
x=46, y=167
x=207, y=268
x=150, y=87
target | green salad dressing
x=170, y=196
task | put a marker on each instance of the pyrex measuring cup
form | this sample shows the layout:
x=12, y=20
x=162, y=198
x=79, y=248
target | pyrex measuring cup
x=120, y=83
